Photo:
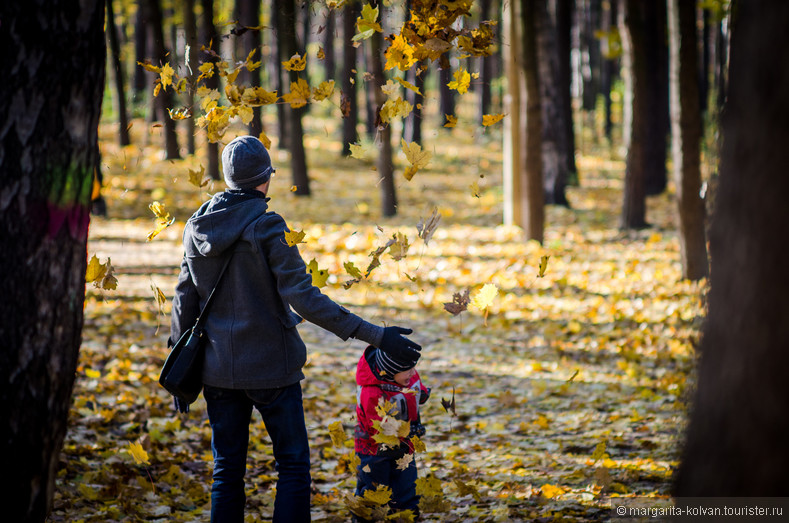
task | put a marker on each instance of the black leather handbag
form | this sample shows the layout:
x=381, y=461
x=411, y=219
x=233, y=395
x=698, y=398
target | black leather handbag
x=182, y=372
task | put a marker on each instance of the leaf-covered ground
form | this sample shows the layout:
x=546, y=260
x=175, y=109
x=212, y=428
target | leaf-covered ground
x=571, y=389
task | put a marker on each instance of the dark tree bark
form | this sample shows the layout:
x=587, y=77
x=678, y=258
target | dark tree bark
x=636, y=107
x=532, y=117
x=280, y=76
x=190, y=33
x=119, y=77
x=412, y=126
x=486, y=68
x=249, y=16
x=48, y=149
x=298, y=158
x=659, y=122
x=329, y=35
x=141, y=78
x=555, y=149
x=349, y=92
x=609, y=67
x=165, y=100
x=209, y=36
x=705, y=44
x=686, y=137
x=721, y=63
x=446, y=95
x=736, y=440
x=564, y=28
x=590, y=11
x=384, y=163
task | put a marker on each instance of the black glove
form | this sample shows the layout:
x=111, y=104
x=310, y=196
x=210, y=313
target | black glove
x=398, y=346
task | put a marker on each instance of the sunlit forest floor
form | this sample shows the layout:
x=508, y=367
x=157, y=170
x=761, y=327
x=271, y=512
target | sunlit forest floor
x=570, y=391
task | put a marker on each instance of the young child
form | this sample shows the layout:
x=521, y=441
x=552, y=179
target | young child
x=381, y=378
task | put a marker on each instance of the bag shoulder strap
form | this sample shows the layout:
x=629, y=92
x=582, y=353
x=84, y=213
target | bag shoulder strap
x=204, y=311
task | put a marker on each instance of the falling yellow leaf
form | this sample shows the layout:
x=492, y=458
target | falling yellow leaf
x=294, y=188
x=416, y=157
x=96, y=269
x=197, y=177
x=599, y=452
x=299, y=94
x=319, y=276
x=367, y=24
x=475, y=191
x=257, y=96
x=179, y=114
x=490, y=119
x=397, y=108
x=461, y=81
x=409, y=86
x=399, y=247
x=337, y=433
x=353, y=270
x=419, y=445
x=358, y=151
x=138, y=453
x=484, y=297
x=166, y=75
x=265, y=140
x=323, y=91
x=163, y=219
x=296, y=63
x=399, y=54
x=404, y=462
x=160, y=298
x=452, y=121
x=543, y=265
x=321, y=53
x=294, y=237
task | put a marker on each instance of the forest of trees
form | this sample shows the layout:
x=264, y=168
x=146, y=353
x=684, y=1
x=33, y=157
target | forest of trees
x=546, y=66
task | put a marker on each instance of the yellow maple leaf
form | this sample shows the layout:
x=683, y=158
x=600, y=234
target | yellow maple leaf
x=166, y=75
x=599, y=452
x=321, y=53
x=380, y=496
x=391, y=90
x=299, y=94
x=404, y=462
x=138, y=453
x=367, y=24
x=452, y=121
x=319, y=276
x=394, y=109
x=399, y=54
x=197, y=177
x=163, y=219
x=294, y=237
x=246, y=113
x=206, y=71
x=543, y=265
x=490, y=119
x=296, y=63
x=483, y=298
x=265, y=139
x=323, y=91
x=419, y=445
x=429, y=486
x=357, y=151
x=461, y=81
x=337, y=433
x=416, y=157
x=399, y=248
x=181, y=113
x=409, y=86
x=96, y=270
x=257, y=96
x=148, y=66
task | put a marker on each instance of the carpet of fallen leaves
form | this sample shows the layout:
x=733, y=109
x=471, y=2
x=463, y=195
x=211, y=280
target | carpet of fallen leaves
x=570, y=389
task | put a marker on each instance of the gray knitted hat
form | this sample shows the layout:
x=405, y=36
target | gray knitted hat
x=246, y=163
x=388, y=366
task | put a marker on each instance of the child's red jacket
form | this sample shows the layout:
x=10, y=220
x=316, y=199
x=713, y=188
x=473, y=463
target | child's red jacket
x=369, y=391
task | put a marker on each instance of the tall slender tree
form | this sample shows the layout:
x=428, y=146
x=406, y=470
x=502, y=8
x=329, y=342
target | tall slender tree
x=209, y=36
x=686, y=137
x=658, y=120
x=350, y=99
x=118, y=76
x=736, y=440
x=191, y=51
x=249, y=41
x=286, y=34
x=48, y=149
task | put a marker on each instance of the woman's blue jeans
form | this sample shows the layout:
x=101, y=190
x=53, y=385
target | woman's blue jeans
x=229, y=412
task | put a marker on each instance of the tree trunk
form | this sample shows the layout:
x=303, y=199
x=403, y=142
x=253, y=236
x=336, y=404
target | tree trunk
x=280, y=75
x=532, y=116
x=249, y=16
x=446, y=95
x=552, y=87
x=118, y=76
x=329, y=61
x=686, y=137
x=141, y=77
x=211, y=40
x=659, y=121
x=165, y=99
x=736, y=440
x=590, y=52
x=704, y=64
x=486, y=69
x=349, y=92
x=634, y=70
x=412, y=126
x=384, y=162
x=298, y=158
x=48, y=149
x=610, y=16
x=564, y=29
x=190, y=33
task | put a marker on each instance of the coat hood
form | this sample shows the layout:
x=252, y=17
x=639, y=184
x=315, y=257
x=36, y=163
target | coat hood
x=219, y=222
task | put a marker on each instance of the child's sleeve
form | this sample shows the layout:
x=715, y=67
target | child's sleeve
x=367, y=403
